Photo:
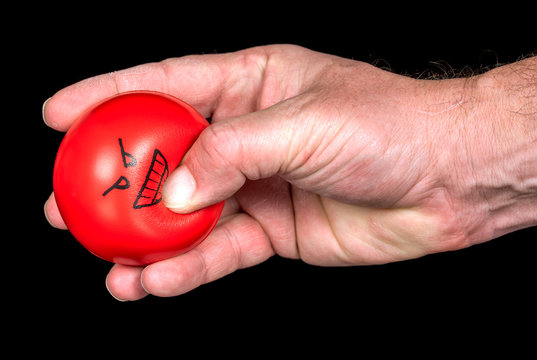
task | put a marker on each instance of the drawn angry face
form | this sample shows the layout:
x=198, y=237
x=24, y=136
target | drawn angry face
x=150, y=192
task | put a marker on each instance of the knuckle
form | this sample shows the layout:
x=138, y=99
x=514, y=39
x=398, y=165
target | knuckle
x=252, y=60
x=220, y=142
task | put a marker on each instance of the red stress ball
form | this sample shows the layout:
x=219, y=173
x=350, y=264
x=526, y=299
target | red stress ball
x=109, y=173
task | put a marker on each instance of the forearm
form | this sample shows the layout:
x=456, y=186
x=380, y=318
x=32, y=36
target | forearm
x=500, y=146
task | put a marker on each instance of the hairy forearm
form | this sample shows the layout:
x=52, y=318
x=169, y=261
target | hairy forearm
x=501, y=147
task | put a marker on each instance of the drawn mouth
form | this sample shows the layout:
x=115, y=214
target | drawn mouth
x=150, y=192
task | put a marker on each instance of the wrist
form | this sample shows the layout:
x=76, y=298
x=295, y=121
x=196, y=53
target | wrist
x=498, y=148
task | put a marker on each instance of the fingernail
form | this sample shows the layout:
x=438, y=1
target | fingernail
x=142, y=280
x=43, y=111
x=111, y=294
x=179, y=189
x=53, y=217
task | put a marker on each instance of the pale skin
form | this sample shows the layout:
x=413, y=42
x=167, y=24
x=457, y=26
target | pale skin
x=330, y=160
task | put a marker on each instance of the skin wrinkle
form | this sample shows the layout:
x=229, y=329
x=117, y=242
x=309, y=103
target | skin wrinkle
x=237, y=253
x=131, y=79
x=320, y=177
x=348, y=256
x=167, y=75
x=266, y=232
x=246, y=77
x=390, y=240
x=314, y=146
x=295, y=222
x=271, y=212
x=204, y=276
x=435, y=113
x=295, y=232
x=181, y=80
x=260, y=105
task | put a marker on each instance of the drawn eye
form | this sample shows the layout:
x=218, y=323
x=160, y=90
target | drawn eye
x=150, y=192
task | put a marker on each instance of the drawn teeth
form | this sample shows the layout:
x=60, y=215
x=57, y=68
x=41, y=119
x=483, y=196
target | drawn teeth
x=150, y=192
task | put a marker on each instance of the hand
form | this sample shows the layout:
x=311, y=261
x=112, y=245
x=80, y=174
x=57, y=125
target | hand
x=319, y=158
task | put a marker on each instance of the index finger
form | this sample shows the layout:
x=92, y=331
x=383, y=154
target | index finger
x=200, y=80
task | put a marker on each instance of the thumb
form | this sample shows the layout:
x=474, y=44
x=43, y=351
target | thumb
x=225, y=155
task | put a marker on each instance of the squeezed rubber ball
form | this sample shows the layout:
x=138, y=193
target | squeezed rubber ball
x=109, y=172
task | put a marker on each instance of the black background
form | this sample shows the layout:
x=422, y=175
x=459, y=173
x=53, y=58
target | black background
x=53, y=283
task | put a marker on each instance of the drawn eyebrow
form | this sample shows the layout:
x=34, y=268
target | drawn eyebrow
x=125, y=154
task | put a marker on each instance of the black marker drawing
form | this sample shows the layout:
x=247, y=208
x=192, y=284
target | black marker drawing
x=121, y=184
x=150, y=193
x=125, y=154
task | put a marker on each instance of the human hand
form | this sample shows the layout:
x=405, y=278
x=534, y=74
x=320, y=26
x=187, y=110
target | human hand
x=319, y=158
